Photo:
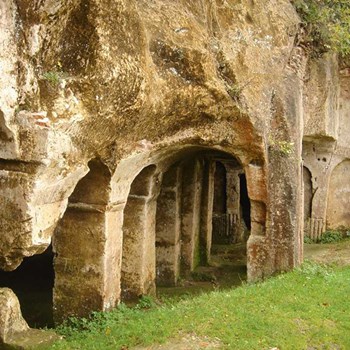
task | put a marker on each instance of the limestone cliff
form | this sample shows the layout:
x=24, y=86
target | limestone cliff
x=133, y=83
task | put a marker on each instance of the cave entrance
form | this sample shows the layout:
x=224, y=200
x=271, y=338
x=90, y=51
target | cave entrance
x=32, y=282
x=138, y=257
x=85, y=247
x=307, y=181
x=245, y=203
x=183, y=220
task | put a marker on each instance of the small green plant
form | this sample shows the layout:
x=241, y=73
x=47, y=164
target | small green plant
x=145, y=302
x=331, y=236
x=282, y=147
x=286, y=147
x=53, y=77
x=308, y=240
x=310, y=268
x=326, y=23
x=234, y=90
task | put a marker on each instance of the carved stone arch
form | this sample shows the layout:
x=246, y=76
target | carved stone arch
x=184, y=225
x=84, y=246
x=138, y=261
x=308, y=196
x=338, y=203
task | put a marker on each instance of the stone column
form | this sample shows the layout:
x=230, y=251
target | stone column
x=168, y=228
x=191, y=204
x=320, y=161
x=257, y=251
x=87, y=247
x=319, y=207
x=233, y=202
x=207, y=208
x=139, y=256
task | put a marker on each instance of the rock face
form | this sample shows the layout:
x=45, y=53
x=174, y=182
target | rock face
x=326, y=148
x=14, y=331
x=113, y=117
x=11, y=321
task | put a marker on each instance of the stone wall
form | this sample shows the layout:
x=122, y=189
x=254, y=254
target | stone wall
x=326, y=149
x=131, y=84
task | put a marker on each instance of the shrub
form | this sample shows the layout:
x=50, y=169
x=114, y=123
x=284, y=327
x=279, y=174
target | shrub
x=327, y=24
x=308, y=240
x=53, y=77
x=331, y=236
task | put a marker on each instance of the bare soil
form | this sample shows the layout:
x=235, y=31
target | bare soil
x=331, y=253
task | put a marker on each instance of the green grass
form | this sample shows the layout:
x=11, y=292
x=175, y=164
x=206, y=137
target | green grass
x=304, y=309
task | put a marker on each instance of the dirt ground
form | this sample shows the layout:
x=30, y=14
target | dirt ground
x=337, y=253
x=187, y=342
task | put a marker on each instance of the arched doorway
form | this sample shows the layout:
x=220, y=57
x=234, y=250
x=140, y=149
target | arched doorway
x=307, y=178
x=138, y=258
x=338, y=213
x=85, y=245
x=171, y=205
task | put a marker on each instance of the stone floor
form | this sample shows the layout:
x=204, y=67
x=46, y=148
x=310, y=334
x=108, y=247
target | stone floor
x=227, y=269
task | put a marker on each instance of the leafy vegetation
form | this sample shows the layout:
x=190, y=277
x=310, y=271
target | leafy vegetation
x=53, y=77
x=327, y=24
x=308, y=240
x=331, y=236
x=282, y=147
x=306, y=308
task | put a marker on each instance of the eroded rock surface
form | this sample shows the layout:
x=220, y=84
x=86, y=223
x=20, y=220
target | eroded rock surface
x=11, y=320
x=94, y=93
x=14, y=330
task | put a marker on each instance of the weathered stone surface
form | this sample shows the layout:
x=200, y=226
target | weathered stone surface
x=136, y=83
x=11, y=320
x=14, y=330
x=326, y=144
x=114, y=80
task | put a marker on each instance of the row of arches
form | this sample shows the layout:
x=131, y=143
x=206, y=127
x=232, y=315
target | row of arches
x=168, y=227
x=337, y=200
x=176, y=210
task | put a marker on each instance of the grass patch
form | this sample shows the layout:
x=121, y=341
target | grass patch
x=306, y=308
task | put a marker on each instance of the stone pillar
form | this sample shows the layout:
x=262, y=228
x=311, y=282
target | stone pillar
x=258, y=253
x=233, y=202
x=207, y=209
x=320, y=161
x=257, y=194
x=139, y=256
x=168, y=228
x=191, y=204
x=319, y=207
x=87, y=247
x=338, y=215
